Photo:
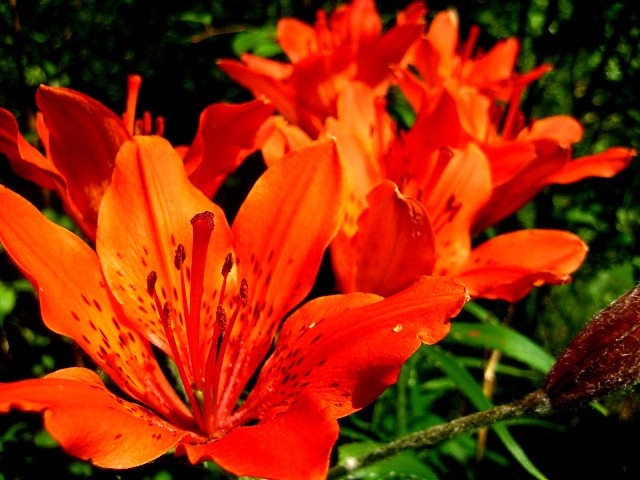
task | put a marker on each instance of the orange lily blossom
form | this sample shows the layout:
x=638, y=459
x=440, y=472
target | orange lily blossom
x=168, y=271
x=412, y=200
x=349, y=45
x=81, y=138
x=486, y=92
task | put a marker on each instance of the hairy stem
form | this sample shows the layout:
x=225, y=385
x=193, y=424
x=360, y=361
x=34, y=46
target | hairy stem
x=536, y=403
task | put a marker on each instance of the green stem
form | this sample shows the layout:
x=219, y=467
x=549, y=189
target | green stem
x=537, y=403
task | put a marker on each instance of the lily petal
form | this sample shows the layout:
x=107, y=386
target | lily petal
x=523, y=185
x=132, y=242
x=462, y=190
x=297, y=39
x=75, y=302
x=347, y=349
x=375, y=60
x=90, y=422
x=496, y=65
x=281, y=232
x=261, y=84
x=284, y=138
x=25, y=159
x=303, y=435
x=507, y=266
x=226, y=136
x=392, y=258
x=606, y=164
x=84, y=138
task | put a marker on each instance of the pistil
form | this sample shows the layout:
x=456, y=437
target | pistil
x=129, y=116
x=203, y=225
x=146, y=125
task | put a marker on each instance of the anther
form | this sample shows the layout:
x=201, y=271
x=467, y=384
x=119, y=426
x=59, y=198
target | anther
x=152, y=278
x=167, y=314
x=227, y=265
x=180, y=257
x=221, y=318
x=244, y=292
x=226, y=269
x=217, y=353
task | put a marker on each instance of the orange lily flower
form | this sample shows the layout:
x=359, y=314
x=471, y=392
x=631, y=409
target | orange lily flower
x=168, y=271
x=486, y=91
x=412, y=201
x=347, y=46
x=81, y=138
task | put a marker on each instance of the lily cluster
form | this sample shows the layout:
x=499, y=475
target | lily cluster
x=469, y=160
x=160, y=281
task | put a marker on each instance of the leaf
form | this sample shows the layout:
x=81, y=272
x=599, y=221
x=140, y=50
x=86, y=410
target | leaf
x=473, y=391
x=404, y=463
x=504, y=339
x=261, y=42
x=7, y=301
x=204, y=19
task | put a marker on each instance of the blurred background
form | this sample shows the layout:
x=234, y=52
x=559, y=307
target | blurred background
x=92, y=45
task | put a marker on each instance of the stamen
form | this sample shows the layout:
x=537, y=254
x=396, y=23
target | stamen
x=323, y=34
x=496, y=114
x=468, y=46
x=217, y=353
x=199, y=374
x=226, y=270
x=152, y=278
x=179, y=257
x=210, y=369
x=513, y=121
x=159, y=126
x=381, y=110
x=167, y=314
x=244, y=292
x=221, y=319
x=145, y=126
x=147, y=123
x=444, y=155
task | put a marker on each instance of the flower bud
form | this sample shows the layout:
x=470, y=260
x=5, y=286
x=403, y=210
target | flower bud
x=604, y=356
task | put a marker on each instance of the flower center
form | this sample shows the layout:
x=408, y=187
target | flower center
x=199, y=363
